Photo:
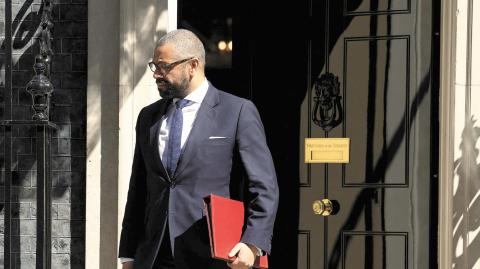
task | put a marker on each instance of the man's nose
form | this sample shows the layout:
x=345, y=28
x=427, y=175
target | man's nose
x=158, y=74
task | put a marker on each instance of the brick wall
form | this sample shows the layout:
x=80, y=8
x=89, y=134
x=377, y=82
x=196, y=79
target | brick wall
x=69, y=76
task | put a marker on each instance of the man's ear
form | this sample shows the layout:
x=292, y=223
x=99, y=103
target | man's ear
x=194, y=65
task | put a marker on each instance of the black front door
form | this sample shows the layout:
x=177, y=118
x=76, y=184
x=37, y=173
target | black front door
x=378, y=55
x=375, y=56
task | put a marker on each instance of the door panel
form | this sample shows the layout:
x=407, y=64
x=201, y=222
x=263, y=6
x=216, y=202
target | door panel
x=376, y=7
x=390, y=97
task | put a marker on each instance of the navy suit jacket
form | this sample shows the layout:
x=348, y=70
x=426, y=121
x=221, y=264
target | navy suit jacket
x=155, y=199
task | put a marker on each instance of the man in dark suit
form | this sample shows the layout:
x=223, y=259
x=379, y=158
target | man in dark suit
x=185, y=143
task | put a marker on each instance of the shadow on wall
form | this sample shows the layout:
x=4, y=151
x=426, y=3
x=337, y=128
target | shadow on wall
x=134, y=69
x=466, y=201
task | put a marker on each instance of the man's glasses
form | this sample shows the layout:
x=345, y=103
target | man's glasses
x=164, y=68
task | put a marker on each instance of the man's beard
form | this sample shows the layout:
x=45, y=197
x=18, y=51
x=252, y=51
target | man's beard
x=171, y=90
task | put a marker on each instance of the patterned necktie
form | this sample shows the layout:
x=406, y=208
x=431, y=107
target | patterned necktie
x=175, y=136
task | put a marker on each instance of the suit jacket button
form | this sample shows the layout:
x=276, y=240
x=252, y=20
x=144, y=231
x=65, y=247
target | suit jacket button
x=172, y=185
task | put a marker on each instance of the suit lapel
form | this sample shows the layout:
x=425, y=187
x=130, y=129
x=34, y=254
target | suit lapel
x=204, y=122
x=156, y=120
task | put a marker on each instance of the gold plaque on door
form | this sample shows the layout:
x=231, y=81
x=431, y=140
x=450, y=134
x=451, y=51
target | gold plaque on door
x=327, y=150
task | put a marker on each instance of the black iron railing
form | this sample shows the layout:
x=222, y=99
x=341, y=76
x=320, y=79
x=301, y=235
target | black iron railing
x=41, y=89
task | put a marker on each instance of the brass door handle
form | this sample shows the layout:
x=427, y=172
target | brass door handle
x=322, y=207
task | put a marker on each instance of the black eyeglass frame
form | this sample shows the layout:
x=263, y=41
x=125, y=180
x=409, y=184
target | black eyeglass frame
x=164, y=68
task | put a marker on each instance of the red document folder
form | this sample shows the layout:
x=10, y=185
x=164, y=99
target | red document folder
x=225, y=221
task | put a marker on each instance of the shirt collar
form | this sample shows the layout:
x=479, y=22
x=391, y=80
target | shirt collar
x=198, y=94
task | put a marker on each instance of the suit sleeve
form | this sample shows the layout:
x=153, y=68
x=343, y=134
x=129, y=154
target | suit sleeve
x=132, y=225
x=262, y=179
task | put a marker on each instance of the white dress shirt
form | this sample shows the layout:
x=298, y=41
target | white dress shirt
x=189, y=112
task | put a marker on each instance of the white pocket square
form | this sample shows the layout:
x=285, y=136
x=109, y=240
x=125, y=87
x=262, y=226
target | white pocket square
x=217, y=137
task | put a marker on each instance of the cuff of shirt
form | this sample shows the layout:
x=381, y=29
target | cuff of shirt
x=259, y=251
x=123, y=260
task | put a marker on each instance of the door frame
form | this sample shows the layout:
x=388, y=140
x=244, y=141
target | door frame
x=446, y=129
x=448, y=31
x=447, y=53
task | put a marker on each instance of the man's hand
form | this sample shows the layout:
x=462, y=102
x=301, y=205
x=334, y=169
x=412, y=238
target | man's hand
x=127, y=265
x=245, y=256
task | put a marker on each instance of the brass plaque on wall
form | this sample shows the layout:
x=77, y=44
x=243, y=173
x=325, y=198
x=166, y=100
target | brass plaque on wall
x=327, y=150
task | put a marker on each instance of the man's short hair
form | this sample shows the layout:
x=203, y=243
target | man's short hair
x=185, y=43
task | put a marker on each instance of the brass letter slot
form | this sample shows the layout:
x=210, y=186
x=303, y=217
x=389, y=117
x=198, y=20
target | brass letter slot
x=327, y=150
